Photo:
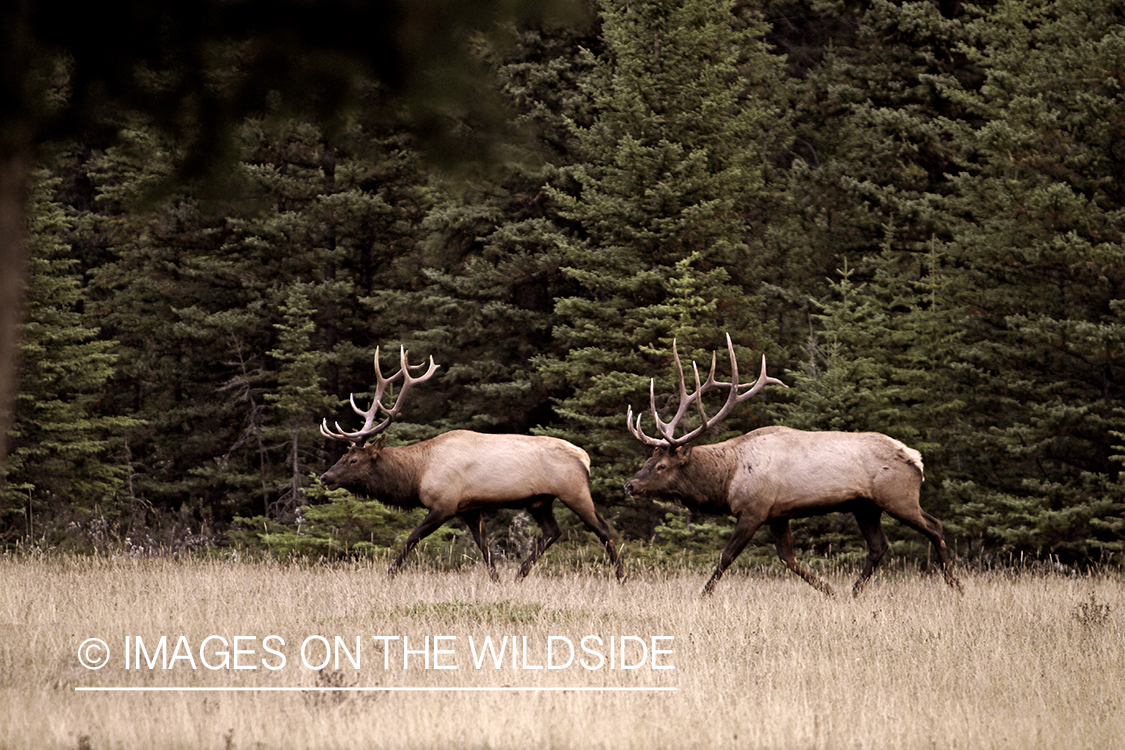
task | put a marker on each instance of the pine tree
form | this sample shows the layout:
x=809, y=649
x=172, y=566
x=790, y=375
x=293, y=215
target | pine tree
x=655, y=213
x=873, y=147
x=299, y=399
x=66, y=467
x=883, y=357
x=197, y=286
x=1041, y=245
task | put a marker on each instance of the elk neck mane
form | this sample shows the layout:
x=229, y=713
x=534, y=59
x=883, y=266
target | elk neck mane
x=706, y=478
x=396, y=475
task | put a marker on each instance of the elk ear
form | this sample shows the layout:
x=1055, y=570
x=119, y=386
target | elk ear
x=377, y=445
x=683, y=452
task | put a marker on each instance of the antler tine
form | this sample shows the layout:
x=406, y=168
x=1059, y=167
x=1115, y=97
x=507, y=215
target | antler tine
x=381, y=383
x=733, y=396
x=408, y=380
x=762, y=381
x=328, y=433
x=635, y=429
x=667, y=429
x=697, y=397
x=368, y=415
x=700, y=390
x=711, y=382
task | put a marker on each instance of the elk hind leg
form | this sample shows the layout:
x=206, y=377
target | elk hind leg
x=474, y=519
x=783, y=538
x=584, y=509
x=541, y=511
x=744, y=530
x=930, y=528
x=431, y=523
x=870, y=525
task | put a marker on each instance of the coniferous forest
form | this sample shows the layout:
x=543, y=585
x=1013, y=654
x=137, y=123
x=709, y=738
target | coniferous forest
x=915, y=209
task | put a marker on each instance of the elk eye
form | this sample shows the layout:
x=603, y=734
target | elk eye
x=661, y=467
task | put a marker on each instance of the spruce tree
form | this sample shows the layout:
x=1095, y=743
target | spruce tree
x=179, y=307
x=655, y=216
x=1040, y=242
x=66, y=470
x=483, y=301
x=883, y=357
x=299, y=399
x=874, y=144
x=197, y=286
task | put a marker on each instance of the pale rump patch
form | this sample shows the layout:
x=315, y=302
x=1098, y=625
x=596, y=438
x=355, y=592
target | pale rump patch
x=914, y=458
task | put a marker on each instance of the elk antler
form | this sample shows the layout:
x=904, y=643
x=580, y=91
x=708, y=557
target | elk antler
x=734, y=397
x=381, y=384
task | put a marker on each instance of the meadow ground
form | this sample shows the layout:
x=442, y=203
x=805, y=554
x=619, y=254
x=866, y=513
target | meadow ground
x=1020, y=661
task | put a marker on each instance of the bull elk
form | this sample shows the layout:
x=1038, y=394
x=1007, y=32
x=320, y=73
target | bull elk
x=774, y=474
x=464, y=474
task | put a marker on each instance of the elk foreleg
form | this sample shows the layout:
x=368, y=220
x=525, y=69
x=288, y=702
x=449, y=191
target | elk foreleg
x=545, y=517
x=474, y=519
x=744, y=531
x=783, y=538
x=870, y=525
x=431, y=523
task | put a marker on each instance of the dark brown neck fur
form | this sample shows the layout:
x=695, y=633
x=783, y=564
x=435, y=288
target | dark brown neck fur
x=396, y=476
x=705, y=479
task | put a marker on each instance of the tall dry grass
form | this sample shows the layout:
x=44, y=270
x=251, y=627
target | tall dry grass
x=1020, y=661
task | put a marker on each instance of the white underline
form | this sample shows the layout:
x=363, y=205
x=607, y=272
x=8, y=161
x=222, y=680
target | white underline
x=379, y=689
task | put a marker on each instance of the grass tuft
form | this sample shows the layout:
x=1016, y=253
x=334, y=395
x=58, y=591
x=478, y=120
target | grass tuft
x=503, y=611
x=1092, y=613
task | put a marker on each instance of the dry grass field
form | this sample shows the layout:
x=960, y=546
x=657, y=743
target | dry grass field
x=1020, y=661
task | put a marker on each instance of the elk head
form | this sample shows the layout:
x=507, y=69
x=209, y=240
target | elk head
x=359, y=461
x=662, y=474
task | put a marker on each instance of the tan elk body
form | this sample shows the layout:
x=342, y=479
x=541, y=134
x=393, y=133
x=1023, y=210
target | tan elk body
x=465, y=474
x=774, y=474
